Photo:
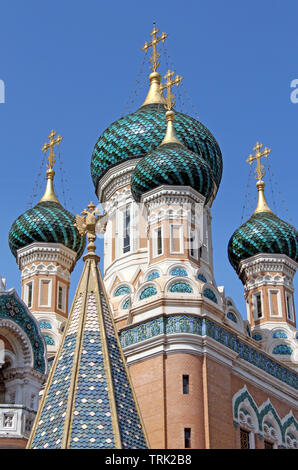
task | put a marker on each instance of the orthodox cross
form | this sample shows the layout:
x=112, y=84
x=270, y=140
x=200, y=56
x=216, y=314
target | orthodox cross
x=50, y=145
x=155, y=40
x=168, y=85
x=259, y=168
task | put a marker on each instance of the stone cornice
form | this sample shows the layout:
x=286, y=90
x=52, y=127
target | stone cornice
x=170, y=195
x=115, y=178
x=38, y=251
x=267, y=263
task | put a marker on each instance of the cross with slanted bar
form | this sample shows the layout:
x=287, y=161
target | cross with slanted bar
x=50, y=145
x=168, y=85
x=260, y=168
x=155, y=40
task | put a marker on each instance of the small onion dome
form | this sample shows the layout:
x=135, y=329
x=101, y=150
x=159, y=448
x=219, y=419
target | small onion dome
x=172, y=164
x=47, y=222
x=137, y=134
x=264, y=232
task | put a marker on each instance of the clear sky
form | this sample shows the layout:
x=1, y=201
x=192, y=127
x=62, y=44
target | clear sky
x=75, y=66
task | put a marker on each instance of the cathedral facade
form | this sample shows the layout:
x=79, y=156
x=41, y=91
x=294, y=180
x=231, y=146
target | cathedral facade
x=177, y=365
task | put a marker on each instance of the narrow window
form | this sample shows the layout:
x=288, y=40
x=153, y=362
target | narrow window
x=187, y=443
x=29, y=294
x=289, y=307
x=244, y=439
x=159, y=241
x=126, y=230
x=176, y=235
x=274, y=308
x=60, y=298
x=193, y=251
x=185, y=382
x=268, y=445
x=45, y=293
x=259, y=305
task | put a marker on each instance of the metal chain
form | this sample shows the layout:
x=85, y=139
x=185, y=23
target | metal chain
x=181, y=89
x=271, y=188
x=133, y=95
x=64, y=184
x=280, y=197
x=246, y=196
x=37, y=184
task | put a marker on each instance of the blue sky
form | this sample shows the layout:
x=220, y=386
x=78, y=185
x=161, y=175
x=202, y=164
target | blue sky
x=73, y=65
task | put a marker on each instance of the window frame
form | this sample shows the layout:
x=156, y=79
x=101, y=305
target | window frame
x=255, y=305
x=155, y=238
x=26, y=293
x=181, y=234
x=50, y=282
x=64, y=290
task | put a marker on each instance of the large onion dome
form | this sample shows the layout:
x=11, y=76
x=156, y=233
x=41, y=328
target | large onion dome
x=137, y=134
x=264, y=232
x=46, y=222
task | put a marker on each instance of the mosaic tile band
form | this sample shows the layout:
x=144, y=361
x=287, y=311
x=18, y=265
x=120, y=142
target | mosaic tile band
x=203, y=327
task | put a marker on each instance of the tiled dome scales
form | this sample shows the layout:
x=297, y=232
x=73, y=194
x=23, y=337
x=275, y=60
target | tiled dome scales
x=88, y=400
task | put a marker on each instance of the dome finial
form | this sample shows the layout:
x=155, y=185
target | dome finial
x=49, y=194
x=154, y=94
x=87, y=225
x=262, y=205
x=170, y=136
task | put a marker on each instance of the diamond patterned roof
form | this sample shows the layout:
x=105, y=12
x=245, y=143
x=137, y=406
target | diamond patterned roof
x=136, y=134
x=88, y=401
x=264, y=232
x=46, y=222
x=172, y=164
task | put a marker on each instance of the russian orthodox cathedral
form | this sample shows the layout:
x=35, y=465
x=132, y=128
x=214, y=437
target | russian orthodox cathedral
x=154, y=354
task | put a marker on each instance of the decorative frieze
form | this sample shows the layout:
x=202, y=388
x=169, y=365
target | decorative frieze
x=51, y=252
x=205, y=327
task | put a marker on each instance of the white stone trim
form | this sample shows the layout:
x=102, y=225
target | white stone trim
x=39, y=251
x=115, y=178
x=42, y=269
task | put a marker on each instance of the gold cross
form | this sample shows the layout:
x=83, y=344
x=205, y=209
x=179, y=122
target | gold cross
x=259, y=168
x=168, y=85
x=155, y=40
x=50, y=145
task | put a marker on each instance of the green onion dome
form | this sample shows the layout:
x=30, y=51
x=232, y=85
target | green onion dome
x=137, y=134
x=46, y=222
x=172, y=164
x=264, y=232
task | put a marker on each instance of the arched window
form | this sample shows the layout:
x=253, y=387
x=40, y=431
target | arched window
x=181, y=287
x=210, y=295
x=231, y=316
x=201, y=277
x=49, y=340
x=282, y=349
x=178, y=272
x=126, y=304
x=122, y=290
x=45, y=324
x=148, y=292
x=257, y=337
x=280, y=334
x=153, y=275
